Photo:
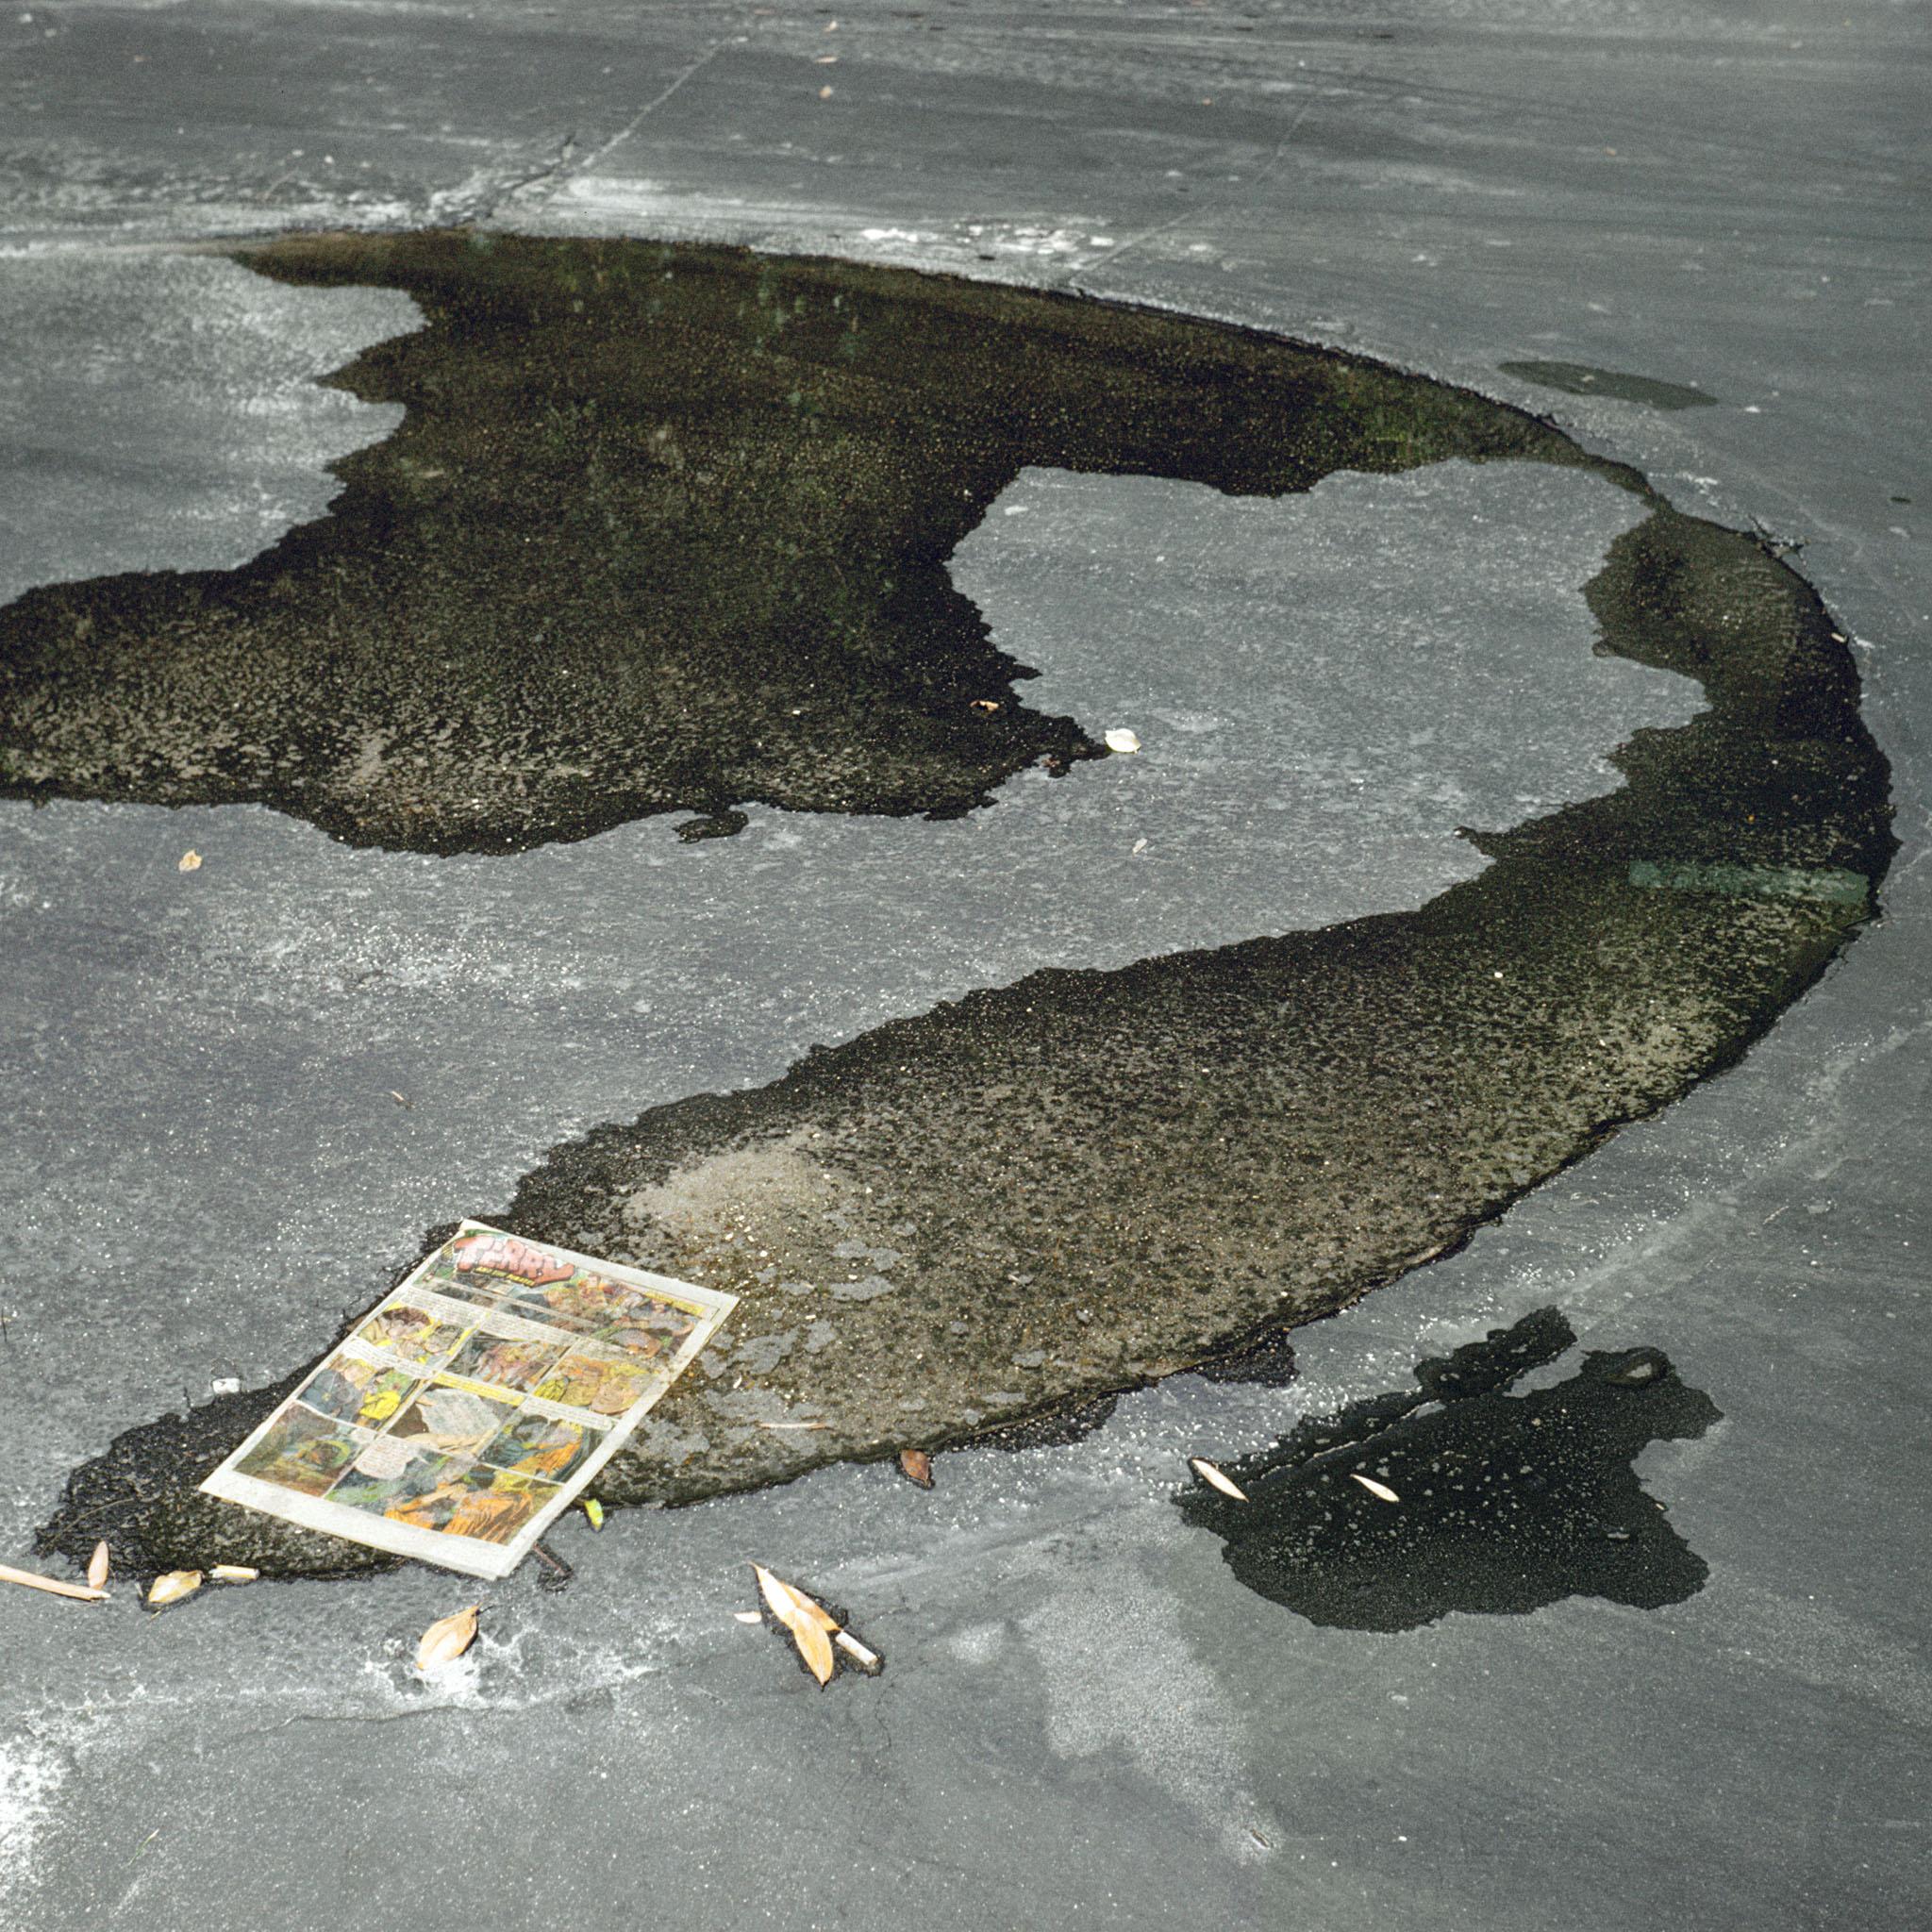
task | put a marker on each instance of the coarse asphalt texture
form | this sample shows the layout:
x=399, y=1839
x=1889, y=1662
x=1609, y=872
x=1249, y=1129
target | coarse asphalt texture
x=1086, y=1716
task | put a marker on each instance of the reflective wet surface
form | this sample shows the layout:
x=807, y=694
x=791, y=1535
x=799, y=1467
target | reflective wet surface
x=1093, y=1180
x=1485, y=1498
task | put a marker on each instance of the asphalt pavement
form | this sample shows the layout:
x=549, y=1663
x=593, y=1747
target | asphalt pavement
x=1089, y=1714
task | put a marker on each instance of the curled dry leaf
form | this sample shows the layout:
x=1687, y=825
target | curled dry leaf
x=810, y=1624
x=446, y=1639
x=97, y=1566
x=1215, y=1480
x=233, y=1573
x=171, y=1587
x=1381, y=1492
x=916, y=1466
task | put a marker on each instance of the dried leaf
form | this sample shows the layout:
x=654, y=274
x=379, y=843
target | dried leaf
x=52, y=1585
x=810, y=1624
x=446, y=1639
x=188, y=862
x=173, y=1586
x=233, y=1573
x=595, y=1511
x=916, y=1466
x=97, y=1567
x=1122, y=740
x=1380, y=1490
x=1215, y=1480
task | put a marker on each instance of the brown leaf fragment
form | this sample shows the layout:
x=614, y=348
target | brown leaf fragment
x=916, y=1466
x=810, y=1624
x=446, y=1639
x=1381, y=1492
x=97, y=1567
x=170, y=1587
x=1215, y=1479
x=28, y=1579
x=233, y=1573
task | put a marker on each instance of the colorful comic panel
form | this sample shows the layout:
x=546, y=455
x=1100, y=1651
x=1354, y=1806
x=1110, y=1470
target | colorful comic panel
x=585, y=1300
x=484, y=1254
x=604, y=1387
x=451, y=1420
x=496, y=1503
x=481, y=1291
x=419, y=1489
x=302, y=1450
x=414, y=1333
x=506, y=1359
x=356, y=1391
x=544, y=1446
x=649, y=1327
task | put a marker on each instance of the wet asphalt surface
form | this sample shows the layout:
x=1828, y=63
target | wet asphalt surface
x=1087, y=1715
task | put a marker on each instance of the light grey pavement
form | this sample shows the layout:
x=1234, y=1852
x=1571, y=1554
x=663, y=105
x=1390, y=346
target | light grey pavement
x=1085, y=1720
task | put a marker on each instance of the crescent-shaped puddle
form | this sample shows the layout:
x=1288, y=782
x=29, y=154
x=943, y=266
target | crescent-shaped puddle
x=668, y=529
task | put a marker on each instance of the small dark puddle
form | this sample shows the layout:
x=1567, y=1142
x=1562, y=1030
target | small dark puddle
x=1581, y=379
x=1507, y=1502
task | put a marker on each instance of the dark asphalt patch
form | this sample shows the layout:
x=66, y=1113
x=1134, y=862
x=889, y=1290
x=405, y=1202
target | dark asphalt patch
x=1506, y=1502
x=1035, y=1198
x=1581, y=379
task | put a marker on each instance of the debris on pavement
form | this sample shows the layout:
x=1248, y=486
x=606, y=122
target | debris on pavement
x=1380, y=1490
x=1121, y=740
x=447, y=1639
x=594, y=1511
x=188, y=862
x=91, y=1594
x=1215, y=1479
x=97, y=1567
x=916, y=1466
x=474, y=1403
x=172, y=1586
x=233, y=1573
x=814, y=1630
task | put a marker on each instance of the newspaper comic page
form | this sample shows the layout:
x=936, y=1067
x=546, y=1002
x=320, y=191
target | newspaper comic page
x=466, y=1411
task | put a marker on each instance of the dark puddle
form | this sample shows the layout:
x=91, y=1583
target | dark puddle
x=1580, y=379
x=662, y=529
x=1089, y=1179
x=1507, y=1502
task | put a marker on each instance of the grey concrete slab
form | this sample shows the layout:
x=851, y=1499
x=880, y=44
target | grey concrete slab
x=1085, y=1719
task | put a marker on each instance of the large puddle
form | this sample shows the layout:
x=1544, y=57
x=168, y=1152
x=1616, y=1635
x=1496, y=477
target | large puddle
x=670, y=530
